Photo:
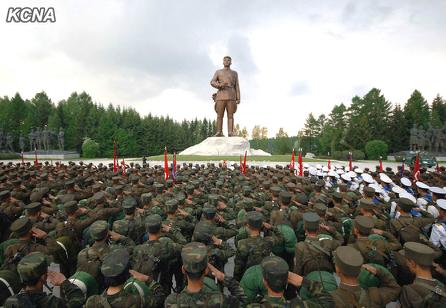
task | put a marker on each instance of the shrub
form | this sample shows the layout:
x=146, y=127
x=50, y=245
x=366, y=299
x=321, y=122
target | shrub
x=376, y=148
x=90, y=148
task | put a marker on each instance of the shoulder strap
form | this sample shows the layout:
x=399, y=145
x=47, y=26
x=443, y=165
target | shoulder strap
x=318, y=248
x=437, y=289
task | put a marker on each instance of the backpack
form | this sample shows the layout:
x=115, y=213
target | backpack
x=93, y=262
x=257, y=251
x=318, y=258
x=435, y=298
x=146, y=258
x=407, y=232
x=20, y=300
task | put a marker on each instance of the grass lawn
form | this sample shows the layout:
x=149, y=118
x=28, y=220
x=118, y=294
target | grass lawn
x=275, y=158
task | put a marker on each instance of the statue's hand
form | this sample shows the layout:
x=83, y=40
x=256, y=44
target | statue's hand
x=237, y=102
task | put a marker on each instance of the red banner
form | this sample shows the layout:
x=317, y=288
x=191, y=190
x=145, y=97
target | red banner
x=166, y=165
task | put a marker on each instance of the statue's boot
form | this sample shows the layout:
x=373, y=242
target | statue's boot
x=231, y=127
x=219, y=127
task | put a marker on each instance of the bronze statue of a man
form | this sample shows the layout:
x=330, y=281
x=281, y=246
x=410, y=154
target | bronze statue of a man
x=227, y=96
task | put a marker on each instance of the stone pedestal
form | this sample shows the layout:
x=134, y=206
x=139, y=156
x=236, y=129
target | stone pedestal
x=51, y=154
x=223, y=146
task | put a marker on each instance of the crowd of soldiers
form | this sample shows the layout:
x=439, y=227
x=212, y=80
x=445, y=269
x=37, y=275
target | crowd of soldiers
x=80, y=234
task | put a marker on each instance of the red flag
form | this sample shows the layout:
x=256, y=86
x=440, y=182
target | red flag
x=115, y=158
x=299, y=162
x=380, y=164
x=292, y=161
x=36, y=161
x=244, y=164
x=416, y=168
x=350, y=163
x=329, y=164
x=166, y=165
x=437, y=169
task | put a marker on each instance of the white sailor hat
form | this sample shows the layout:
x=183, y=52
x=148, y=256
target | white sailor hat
x=437, y=190
x=408, y=196
x=385, y=178
x=318, y=166
x=367, y=178
x=441, y=203
x=340, y=171
x=306, y=165
x=319, y=173
x=397, y=190
x=312, y=171
x=333, y=173
x=377, y=188
x=406, y=182
x=325, y=168
x=358, y=170
x=421, y=185
x=346, y=177
x=352, y=174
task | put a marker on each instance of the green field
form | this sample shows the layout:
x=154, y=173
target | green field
x=275, y=158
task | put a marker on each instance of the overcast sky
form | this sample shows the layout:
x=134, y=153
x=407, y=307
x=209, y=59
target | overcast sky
x=293, y=57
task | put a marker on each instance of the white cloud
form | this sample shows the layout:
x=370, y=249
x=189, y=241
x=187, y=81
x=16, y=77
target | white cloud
x=293, y=57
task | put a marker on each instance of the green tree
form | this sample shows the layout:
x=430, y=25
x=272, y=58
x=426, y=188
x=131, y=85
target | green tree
x=416, y=111
x=90, y=148
x=438, y=113
x=376, y=149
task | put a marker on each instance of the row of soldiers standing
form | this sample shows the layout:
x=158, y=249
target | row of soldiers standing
x=139, y=241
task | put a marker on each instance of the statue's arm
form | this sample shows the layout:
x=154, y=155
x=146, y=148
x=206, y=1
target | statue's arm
x=237, y=88
x=214, y=82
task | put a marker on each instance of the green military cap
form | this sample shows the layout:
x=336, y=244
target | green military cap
x=116, y=178
x=21, y=226
x=275, y=190
x=99, y=196
x=16, y=182
x=115, y=263
x=405, y=204
x=209, y=210
x=190, y=189
x=350, y=196
x=99, y=230
x=129, y=202
x=320, y=183
x=327, y=279
x=83, y=202
x=33, y=206
x=32, y=266
x=121, y=226
x=203, y=232
x=4, y=194
x=290, y=185
x=369, y=191
x=118, y=188
x=153, y=222
x=146, y=198
x=311, y=220
x=159, y=187
x=86, y=282
x=349, y=260
x=195, y=257
x=9, y=284
x=69, y=183
x=169, y=183
x=364, y=224
x=110, y=190
x=181, y=197
x=266, y=184
x=35, y=196
x=285, y=197
x=320, y=209
x=367, y=280
x=70, y=207
x=275, y=271
x=254, y=219
x=420, y=253
x=366, y=204
x=213, y=199
x=171, y=205
x=337, y=196
x=247, y=189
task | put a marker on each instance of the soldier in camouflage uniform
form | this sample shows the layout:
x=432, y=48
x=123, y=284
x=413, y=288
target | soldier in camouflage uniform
x=252, y=250
x=134, y=221
x=33, y=272
x=195, y=267
x=276, y=275
x=115, y=270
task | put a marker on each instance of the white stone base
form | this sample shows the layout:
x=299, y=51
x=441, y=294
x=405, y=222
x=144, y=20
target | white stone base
x=223, y=146
x=54, y=155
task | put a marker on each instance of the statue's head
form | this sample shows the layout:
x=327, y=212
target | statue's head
x=227, y=61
